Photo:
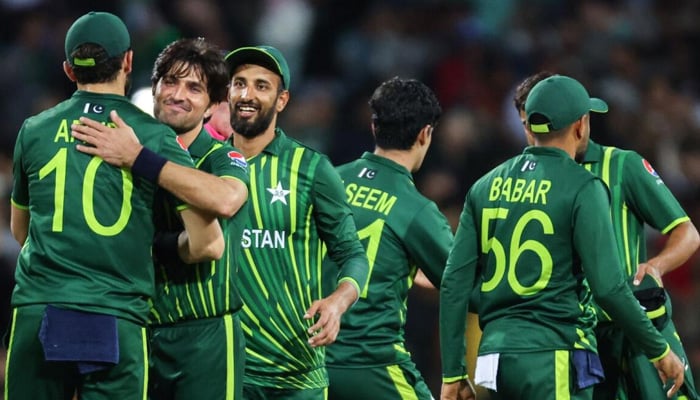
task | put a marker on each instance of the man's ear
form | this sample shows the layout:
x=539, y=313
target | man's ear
x=580, y=124
x=424, y=135
x=209, y=111
x=282, y=101
x=127, y=63
x=68, y=70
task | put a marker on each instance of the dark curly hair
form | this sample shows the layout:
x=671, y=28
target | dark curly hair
x=400, y=109
x=180, y=56
x=526, y=86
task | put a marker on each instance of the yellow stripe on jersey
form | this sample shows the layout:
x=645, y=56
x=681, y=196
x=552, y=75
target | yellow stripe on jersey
x=227, y=288
x=274, y=164
x=307, y=257
x=230, y=350
x=144, y=341
x=402, y=386
x=271, y=339
x=607, y=159
x=9, y=351
x=267, y=360
x=259, y=281
x=294, y=186
x=200, y=289
x=303, y=345
x=674, y=224
x=295, y=269
x=626, y=240
x=210, y=287
x=561, y=375
x=254, y=198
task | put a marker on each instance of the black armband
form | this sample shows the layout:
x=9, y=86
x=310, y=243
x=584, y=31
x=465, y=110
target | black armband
x=148, y=164
x=165, y=245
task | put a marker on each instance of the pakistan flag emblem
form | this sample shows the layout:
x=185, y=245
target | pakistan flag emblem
x=278, y=194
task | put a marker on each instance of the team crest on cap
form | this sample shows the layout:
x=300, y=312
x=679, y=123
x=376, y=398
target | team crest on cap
x=649, y=168
x=237, y=159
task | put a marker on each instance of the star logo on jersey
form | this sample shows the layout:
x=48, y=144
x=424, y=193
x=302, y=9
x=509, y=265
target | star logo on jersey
x=278, y=193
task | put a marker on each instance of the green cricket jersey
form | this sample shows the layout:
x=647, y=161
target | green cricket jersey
x=297, y=205
x=638, y=195
x=535, y=229
x=401, y=230
x=91, y=224
x=205, y=289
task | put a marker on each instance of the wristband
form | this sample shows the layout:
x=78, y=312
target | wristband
x=165, y=245
x=148, y=164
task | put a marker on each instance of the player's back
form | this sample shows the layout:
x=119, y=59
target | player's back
x=91, y=226
x=524, y=213
x=397, y=226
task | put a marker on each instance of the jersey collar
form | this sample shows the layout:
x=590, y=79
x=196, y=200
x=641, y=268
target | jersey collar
x=546, y=151
x=201, y=145
x=85, y=94
x=278, y=144
x=387, y=162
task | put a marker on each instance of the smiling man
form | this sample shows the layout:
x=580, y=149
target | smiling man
x=298, y=196
x=194, y=313
x=197, y=344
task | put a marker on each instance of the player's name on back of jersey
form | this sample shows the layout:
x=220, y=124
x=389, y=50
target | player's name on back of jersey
x=370, y=198
x=519, y=190
x=63, y=130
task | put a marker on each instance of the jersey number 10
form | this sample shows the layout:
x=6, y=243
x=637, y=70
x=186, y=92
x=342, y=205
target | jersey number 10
x=57, y=164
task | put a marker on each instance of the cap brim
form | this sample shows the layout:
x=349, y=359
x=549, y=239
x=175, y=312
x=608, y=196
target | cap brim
x=598, y=105
x=251, y=55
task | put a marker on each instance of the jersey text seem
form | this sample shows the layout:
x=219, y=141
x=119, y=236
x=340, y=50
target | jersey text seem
x=370, y=198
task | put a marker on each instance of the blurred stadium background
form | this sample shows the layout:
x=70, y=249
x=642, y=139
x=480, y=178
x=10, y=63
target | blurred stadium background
x=640, y=55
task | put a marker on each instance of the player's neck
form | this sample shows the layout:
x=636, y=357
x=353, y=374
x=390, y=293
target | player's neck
x=569, y=148
x=251, y=147
x=188, y=137
x=116, y=86
x=404, y=158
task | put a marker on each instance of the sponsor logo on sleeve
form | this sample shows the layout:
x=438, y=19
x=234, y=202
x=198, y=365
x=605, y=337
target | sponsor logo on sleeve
x=649, y=168
x=237, y=159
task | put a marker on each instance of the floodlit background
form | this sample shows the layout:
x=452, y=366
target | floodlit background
x=639, y=55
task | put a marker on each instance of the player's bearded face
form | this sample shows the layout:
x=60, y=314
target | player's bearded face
x=251, y=127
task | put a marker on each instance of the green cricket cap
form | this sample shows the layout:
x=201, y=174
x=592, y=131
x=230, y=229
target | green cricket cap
x=559, y=100
x=265, y=56
x=101, y=28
